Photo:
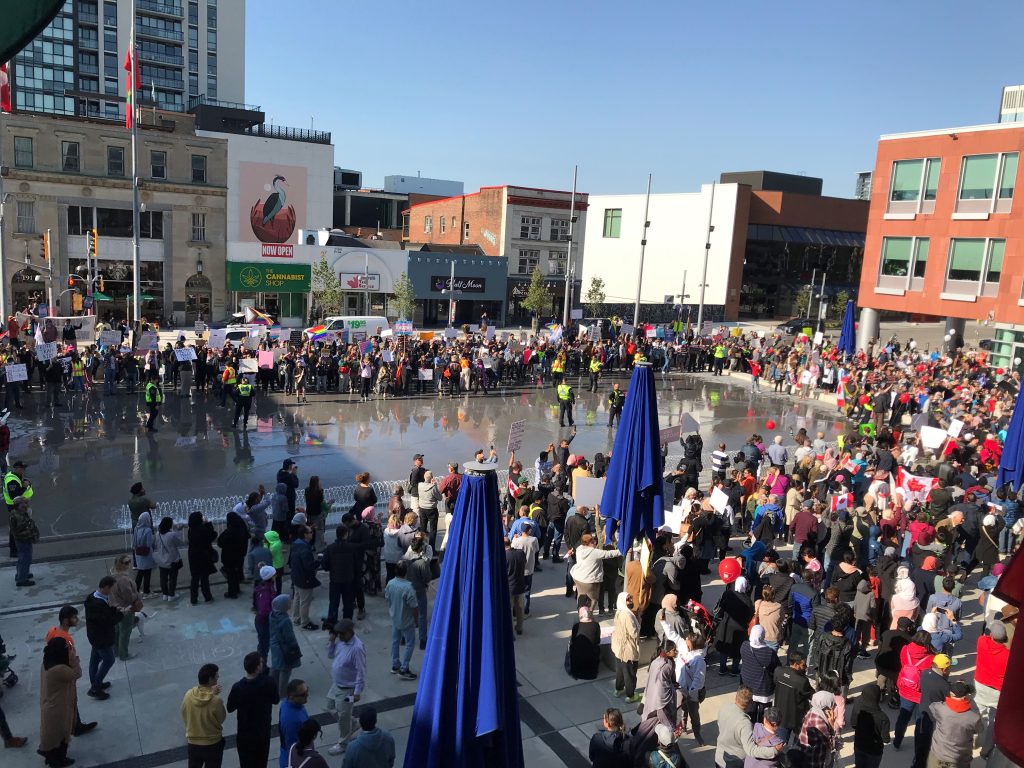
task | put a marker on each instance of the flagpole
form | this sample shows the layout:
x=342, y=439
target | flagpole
x=136, y=277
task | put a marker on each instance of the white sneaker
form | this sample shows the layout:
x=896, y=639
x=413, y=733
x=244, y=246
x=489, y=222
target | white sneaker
x=337, y=749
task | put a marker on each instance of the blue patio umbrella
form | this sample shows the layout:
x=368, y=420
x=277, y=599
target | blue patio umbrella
x=847, y=336
x=467, y=707
x=631, y=501
x=1011, y=463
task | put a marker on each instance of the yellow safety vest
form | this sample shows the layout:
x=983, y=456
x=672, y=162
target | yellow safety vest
x=557, y=365
x=22, y=490
x=153, y=395
x=229, y=375
x=563, y=392
x=77, y=368
x=595, y=365
x=244, y=388
x=719, y=351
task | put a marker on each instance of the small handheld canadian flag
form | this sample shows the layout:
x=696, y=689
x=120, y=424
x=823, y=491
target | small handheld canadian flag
x=5, y=88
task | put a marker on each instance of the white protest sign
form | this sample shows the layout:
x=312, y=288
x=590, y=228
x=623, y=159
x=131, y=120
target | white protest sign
x=652, y=333
x=16, y=372
x=473, y=327
x=451, y=333
x=719, y=500
x=932, y=437
x=200, y=328
x=955, y=428
x=626, y=330
x=425, y=374
x=818, y=337
x=589, y=491
x=149, y=342
x=595, y=332
x=217, y=338
x=490, y=331
x=515, y=435
x=46, y=352
x=387, y=333
x=687, y=423
x=247, y=365
x=110, y=338
x=387, y=356
x=575, y=314
x=185, y=354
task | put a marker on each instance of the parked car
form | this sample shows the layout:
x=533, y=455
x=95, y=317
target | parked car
x=794, y=326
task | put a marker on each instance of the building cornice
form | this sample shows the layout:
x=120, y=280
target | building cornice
x=148, y=185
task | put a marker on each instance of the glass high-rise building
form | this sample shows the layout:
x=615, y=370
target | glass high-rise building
x=188, y=49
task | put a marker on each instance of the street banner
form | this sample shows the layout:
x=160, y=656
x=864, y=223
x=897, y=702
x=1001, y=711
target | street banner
x=515, y=436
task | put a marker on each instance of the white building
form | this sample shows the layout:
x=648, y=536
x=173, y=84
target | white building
x=420, y=185
x=676, y=240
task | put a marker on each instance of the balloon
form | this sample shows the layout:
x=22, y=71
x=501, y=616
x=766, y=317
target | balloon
x=769, y=424
x=999, y=371
x=729, y=569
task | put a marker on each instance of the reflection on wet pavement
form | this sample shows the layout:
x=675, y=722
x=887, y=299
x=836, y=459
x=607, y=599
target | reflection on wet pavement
x=83, y=457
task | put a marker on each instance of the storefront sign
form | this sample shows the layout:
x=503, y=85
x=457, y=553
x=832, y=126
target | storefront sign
x=464, y=284
x=255, y=278
x=359, y=281
x=277, y=251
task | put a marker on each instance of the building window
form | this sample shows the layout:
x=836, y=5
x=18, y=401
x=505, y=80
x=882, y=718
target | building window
x=115, y=161
x=529, y=227
x=965, y=259
x=975, y=266
x=158, y=164
x=914, y=186
x=70, y=156
x=26, y=219
x=978, y=177
x=465, y=230
x=1008, y=177
x=906, y=180
x=987, y=183
x=453, y=224
x=612, y=222
x=428, y=224
x=559, y=230
x=22, y=152
x=920, y=257
x=931, y=177
x=199, y=227
x=441, y=221
x=557, y=261
x=198, y=169
x=903, y=263
x=151, y=225
x=528, y=261
x=114, y=222
x=79, y=220
x=896, y=256
x=994, y=267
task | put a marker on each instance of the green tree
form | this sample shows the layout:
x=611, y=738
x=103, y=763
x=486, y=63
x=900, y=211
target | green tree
x=595, y=296
x=404, y=297
x=536, y=298
x=800, y=303
x=326, y=288
x=839, y=306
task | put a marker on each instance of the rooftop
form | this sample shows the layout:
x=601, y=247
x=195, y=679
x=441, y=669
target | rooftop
x=952, y=131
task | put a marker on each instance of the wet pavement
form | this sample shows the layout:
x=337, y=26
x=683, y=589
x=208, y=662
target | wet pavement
x=85, y=455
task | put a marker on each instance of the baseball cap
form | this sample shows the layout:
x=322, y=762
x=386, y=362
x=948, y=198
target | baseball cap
x=287, y=463
x=941, y=661
x=959, y=689
x=417, y=456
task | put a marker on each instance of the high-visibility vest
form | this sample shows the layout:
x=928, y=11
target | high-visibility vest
x=153, y=394
x=564, y=391
x=22, y=490
x=229, y=376
x=77, y=368
x=557, y=365
x=244, y=388
x=719, y=351
x=595, y=365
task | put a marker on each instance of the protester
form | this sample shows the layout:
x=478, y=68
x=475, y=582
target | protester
x=291, y=716
x=373, y=747
x=285, y=654
x=956, y=725
x=203, y=714
x=626, y=648
x=584, y=654
x=609, y=747
x=253, y=697
x=403, y=607
x=58, y=702
x=101, y=622
x=348, y=678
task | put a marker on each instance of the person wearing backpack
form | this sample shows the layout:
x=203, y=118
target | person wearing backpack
x=834, y=657
x=609, y=748
x=915, y=658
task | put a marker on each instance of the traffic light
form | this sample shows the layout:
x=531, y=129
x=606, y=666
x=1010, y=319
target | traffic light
x=46, y=245
x=94, y=243
x=101, y=284
x=71, y=282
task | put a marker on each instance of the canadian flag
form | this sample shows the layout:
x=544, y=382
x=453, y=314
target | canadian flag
x=5, y=88
x=914, y=488
x=851, y=466
x=840, y=502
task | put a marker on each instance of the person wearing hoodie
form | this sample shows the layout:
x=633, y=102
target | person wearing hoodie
x=288, y=476
x=201, y=556
x=273, y=540
x=142, y=553
x=870, y=728
x=915, y=658
x=304, y=580
x=793, y=693
x=280, y=514
x=418, y=560
x=285, y=654
x=864, y=606
x=339, y=560
x=373, y=747
x=905, y=603
x=757, y=671
x=924, y=579
x=887, y=660
x=992, y=659
x=233, y=542
x=203, y=713
x=802, y=597
x=956, y=725
x=263, y=594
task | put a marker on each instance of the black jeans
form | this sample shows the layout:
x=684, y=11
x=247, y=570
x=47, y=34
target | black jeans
x=345, y=592
x=205, y=755
x=200, y=580
x=253, y=750
x=234, y=579
x=143, y=579
x=154, y=411
x=692, y=710
x=169, y=580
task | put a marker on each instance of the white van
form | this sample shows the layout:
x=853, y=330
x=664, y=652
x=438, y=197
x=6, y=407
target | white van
x=358, y=326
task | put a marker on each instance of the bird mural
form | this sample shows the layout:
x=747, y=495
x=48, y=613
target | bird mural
x=272, y=219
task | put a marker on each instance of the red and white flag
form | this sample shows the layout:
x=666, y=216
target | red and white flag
x=5, y=87
x=914, y=488
x=133, y=83
x=839, y=502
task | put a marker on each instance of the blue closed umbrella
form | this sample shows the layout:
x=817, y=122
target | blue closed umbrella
x=1011, y=463
x=847, y=336
x=631, y=501
x=467, y=707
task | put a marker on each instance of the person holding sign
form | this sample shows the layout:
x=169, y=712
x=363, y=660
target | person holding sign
x=243, y=402
x=153, y=399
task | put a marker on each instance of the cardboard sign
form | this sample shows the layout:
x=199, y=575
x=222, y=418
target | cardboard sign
x=595, y=332
x=589, y=491
x=719, y=500
x=575, y=314
x=426, y=335
x=110, y=338
x=705, y=328
x=149, y=342
x=932, y=437
x=955, y=428
x=16, y=372
x=265, y=359
x=252, y=343
x=917, y=421
x=515, y=436
x=387, y=333
x=668, y=435
x=185, y=355
x=217, y=338
x=200, y=327
x=247, y=365
x=46, y=352
x=818, y=338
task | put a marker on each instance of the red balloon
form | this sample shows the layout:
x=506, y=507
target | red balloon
x=1000, y=371
x=769, y=424
x=729, y=569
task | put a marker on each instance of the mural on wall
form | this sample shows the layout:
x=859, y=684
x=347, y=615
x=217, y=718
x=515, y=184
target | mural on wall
x=278, y=193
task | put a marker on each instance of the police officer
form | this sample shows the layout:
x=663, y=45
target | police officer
x=16, y=485
x=719, y=358
x=153, y=399
x=615, y=400
x=595, y=371
x=243, y=402
x=566, y=400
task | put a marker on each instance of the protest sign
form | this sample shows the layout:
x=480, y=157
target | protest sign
x=403, y=327
x=296, y=337
x=626, y=330
x=149, y=342
x=46, y=352
x=16, y=372
x=668, y=435
x=251, y=343
x=110, y=338
x=265, y=359
x=955, y=428
x=387, y=356
x=247, y=365
x=425, y=374
x=185, y=354
x=932, y=437
x=687, y=424
x=515, y=435
x=719, y=500
x=589, y=491
x=575, y=314
x=217, y=338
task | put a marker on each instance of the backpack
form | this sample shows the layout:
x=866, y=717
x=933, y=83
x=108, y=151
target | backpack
x=909, y=678
x=833, y=662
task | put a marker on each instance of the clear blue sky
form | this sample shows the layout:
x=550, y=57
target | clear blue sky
x=501, y=92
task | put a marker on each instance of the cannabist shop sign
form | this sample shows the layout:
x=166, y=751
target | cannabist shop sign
x=254, y=278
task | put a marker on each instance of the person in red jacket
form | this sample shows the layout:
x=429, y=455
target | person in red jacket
x=915, y=658
x=993, y=656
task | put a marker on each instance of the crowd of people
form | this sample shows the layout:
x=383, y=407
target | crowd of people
x=843, y=561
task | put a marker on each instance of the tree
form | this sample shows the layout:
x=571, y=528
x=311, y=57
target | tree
x=326, y=288
x=594, y=299
x=536, y=298
x=404, y=297
x=800, y=302
x=839, y=305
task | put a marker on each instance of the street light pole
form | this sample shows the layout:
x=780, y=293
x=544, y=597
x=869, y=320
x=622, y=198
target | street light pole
x=451, y=296
x=707, y=252
x=568, y=254
x=3, y=278
x=643, y=247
